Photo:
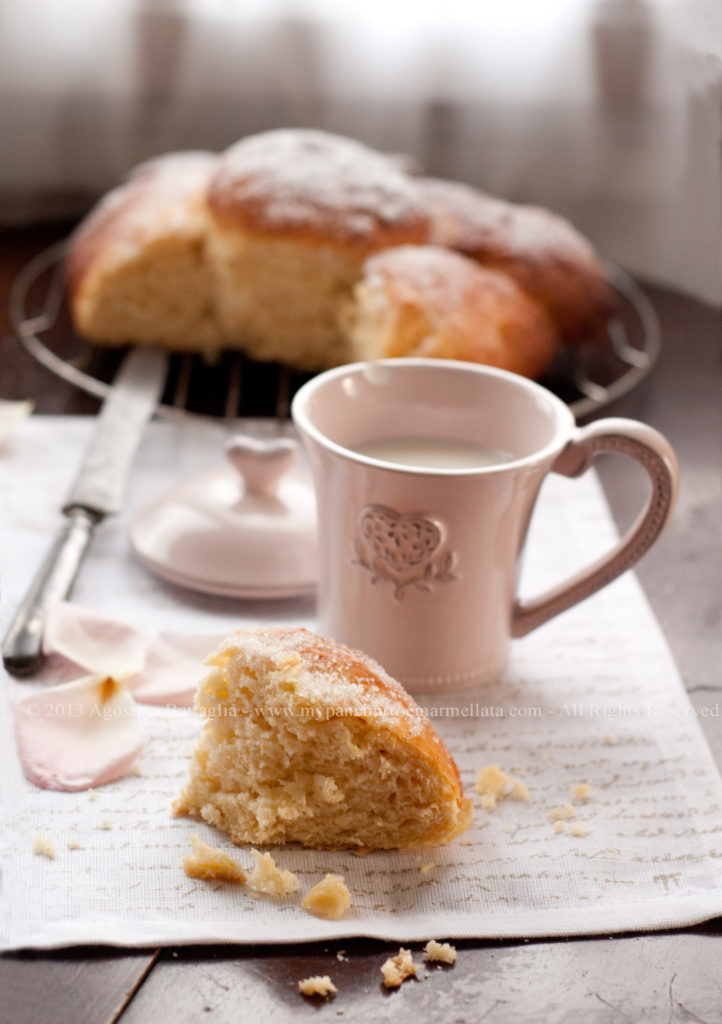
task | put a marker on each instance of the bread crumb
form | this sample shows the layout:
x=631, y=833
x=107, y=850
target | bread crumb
x=268, y=878
x=494, y=785
x=582, y=792
x=442, y=952
x=567, y=811
x=578, y=829
x=491, y=783
x=398, y=968
x=92, y=795
x=468, y=841
x=43, y=846
x=519, y=791
x=107, y=824
x=210, y=864
x=74, y=844
x=608, y=740
x=329, y=898
x=425, y=868
x=319, y=985
x=558, y=826
x=341, y=955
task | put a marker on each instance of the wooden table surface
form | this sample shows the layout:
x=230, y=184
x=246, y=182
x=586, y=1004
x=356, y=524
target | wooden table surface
x=664, y=976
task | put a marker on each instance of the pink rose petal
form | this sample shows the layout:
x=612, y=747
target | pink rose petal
x=100, y=645
x=79, y=735
x=173, y=668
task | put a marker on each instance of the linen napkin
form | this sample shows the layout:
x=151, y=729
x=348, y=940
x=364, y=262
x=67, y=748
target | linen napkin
x=592, y=699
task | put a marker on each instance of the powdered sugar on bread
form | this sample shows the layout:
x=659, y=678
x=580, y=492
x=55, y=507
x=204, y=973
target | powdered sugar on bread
x=309, y=741
x=298, y=180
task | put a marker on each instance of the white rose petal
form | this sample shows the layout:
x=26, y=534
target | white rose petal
x=78, y=735
x=173, y=668
x=98, y=644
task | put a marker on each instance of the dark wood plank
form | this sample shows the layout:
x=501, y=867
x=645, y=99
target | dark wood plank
x=671, y=977
x=91, y=987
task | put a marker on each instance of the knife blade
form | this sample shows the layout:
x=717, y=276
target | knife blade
x=97, y=492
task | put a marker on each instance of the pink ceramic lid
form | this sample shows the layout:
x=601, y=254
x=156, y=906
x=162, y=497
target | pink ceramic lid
x=246, y=529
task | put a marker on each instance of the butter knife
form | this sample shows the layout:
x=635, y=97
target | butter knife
x=97, y=492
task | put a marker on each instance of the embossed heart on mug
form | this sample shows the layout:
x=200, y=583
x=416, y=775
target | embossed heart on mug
x=401, y=542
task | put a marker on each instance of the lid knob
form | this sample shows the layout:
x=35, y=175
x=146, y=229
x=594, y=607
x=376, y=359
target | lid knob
x=262, y=463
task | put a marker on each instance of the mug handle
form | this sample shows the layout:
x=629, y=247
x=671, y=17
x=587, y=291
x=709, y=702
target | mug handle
x=653, y=451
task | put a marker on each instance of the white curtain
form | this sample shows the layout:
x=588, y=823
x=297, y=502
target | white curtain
x=609, y=111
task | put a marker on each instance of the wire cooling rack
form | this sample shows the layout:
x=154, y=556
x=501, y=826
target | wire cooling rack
x=587, y=377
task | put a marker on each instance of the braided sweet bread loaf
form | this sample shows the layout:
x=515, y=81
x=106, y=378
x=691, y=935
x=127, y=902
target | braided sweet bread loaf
x=271, y=248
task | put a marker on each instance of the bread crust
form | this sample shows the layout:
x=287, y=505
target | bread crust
x=284, y=673
x=361, y=685
x=136, y=266
x=547, y=257
x=168, y=191
x=430, y=301
x=317, y=188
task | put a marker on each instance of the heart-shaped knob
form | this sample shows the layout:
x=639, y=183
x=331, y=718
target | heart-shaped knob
x=262, y=463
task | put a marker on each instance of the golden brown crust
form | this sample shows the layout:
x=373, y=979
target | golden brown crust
x=309, y=741
x=318, y=188
x=359, y=683
x=161, y=191
x=547, y=257
x=429, y=301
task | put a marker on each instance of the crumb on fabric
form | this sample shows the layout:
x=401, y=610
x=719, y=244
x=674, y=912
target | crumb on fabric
x=329, y=898
x=494, y=785
x=43, y=846
x=565, y=811
x=266, y=877
x=519, y=791
x=209, y=864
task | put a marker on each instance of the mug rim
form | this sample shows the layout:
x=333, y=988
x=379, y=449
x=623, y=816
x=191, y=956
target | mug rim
x=565, y=421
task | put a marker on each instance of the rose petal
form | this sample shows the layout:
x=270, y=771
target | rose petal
x=173, y=668
x=79, y=735
x=11, y=413
x=100, y=645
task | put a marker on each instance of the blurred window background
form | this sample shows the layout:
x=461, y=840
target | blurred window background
x=608, y=111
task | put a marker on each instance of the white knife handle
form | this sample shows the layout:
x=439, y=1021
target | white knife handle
x=23, y=645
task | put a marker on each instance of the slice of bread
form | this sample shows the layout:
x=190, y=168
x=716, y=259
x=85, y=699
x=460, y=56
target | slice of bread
x=137, y=269
x=311, y=742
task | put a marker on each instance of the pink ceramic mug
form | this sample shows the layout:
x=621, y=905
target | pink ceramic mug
x=419, y=565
